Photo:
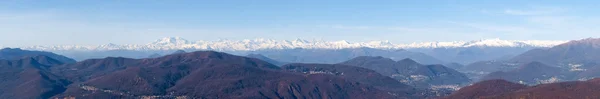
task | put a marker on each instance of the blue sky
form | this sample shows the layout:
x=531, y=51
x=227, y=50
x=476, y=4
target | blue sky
x=91, y=22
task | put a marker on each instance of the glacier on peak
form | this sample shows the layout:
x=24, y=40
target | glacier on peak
x=177, y=43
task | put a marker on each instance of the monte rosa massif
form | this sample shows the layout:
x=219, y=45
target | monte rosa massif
x=176, y=43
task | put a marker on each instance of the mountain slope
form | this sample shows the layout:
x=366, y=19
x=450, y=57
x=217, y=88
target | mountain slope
x=584, y=51
x=358, y=74
x=485, y=89
x=88, y=69
x=497, y=89
x=411, y=72
x=441, y=75
x=532, y=73
x=205, y=74
x=486, y=67
x=29, y=78
x=156, y=55
x=455, y=66
x=578, y=57
x=564, y=90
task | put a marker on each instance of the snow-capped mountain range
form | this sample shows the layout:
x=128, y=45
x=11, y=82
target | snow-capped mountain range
x=176, y=43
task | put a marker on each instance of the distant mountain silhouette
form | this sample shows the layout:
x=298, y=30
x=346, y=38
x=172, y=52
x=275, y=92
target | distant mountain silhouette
x=468, y=55
x=491, y=66
x=264, y=58
x=410, y=72
x=497, y=89
x=16, y=53
x=85, y=55
x=204, y=74
x=574, y=60
x=155, y=55
x=584, y=51
x=179, y=52
x=455, y=66
x=332, y=56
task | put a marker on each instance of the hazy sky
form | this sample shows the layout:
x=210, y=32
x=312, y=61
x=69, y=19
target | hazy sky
x=90, y=22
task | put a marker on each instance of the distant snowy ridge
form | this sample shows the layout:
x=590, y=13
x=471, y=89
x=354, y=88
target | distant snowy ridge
x=176, y=43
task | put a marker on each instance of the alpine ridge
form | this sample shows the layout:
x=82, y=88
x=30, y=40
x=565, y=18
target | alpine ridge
x=176, y=43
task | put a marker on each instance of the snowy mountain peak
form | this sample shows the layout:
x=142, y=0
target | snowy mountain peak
x=493, y=42
x=298, y=40
x=177, y=43
x=171, y=41
x=342, y=42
